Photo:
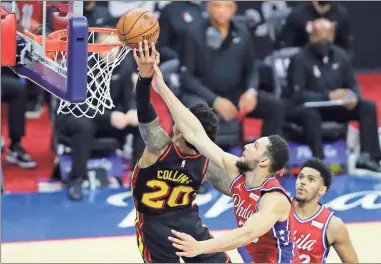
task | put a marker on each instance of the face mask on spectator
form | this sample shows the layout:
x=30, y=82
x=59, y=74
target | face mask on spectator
x=321, y=47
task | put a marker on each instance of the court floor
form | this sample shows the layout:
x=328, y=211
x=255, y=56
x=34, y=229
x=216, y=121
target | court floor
x=123, y=249
x=48, y=228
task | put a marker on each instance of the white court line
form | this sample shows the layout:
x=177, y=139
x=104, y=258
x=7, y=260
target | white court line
x=123, y=249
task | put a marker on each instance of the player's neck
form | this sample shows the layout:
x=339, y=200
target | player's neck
x=184, y=149
x=222, y=28
x=256, y=177
x=305, y=210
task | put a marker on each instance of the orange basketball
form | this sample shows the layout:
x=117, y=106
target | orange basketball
x=137, y=25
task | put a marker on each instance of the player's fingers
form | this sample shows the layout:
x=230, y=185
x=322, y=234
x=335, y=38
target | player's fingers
x=154, y=51
x=182, y=254
x=178, y=246
x=135, y=56
x=157, y=58
x=153, y=47
x=141, y=54
x=178, y=234
x=146, y=50
x=178, y=241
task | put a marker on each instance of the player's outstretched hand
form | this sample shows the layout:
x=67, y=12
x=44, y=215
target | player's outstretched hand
x=145, y=60
x=190, y=247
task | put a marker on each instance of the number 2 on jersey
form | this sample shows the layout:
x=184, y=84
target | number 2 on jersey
x=163, y=194
x=304, y=258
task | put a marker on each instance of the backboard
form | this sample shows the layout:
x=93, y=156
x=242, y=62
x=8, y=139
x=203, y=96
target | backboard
x=36, y=58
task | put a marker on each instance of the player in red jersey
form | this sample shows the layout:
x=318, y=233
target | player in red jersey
x=263, y=209
x=317, y=229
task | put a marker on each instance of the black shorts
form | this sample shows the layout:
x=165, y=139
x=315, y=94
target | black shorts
x=152, y=237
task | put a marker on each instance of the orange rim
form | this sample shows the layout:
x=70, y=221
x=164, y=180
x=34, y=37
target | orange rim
x=53, y=41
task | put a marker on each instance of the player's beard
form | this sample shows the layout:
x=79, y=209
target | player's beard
x=300, y=200
x=244, y=166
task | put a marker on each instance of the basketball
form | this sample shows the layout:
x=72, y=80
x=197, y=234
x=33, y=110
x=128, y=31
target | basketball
x=137, y=25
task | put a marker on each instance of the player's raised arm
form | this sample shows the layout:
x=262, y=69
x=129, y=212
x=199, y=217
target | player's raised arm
x=219, y=178
x=272, y=208
x=155, y=138
x=191, y=128
x=338, y=234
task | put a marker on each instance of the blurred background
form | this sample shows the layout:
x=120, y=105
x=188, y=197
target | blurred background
x=311, y=71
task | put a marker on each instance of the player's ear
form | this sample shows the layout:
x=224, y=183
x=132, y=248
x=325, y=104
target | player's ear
x=323, y=190
x=265, y=162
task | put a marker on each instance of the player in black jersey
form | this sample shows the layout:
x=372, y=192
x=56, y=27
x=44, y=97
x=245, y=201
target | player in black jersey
x=168, y=174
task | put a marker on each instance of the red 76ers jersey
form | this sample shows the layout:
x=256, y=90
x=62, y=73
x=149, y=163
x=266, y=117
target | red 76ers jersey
x=311, y=236
x=278, y=244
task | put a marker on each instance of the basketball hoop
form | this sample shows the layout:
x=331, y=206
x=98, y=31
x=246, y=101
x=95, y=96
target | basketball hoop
x=103, y=57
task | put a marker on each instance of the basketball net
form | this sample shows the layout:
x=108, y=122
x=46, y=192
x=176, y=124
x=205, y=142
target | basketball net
x=100, y=66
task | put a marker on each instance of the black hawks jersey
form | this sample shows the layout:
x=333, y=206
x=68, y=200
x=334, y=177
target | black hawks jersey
x=169, y=184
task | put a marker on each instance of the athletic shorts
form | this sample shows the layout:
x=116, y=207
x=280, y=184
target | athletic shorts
x=152, y=234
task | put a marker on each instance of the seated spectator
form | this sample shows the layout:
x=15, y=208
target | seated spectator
x=322, y=72
x=218, y=67
x=13, y=91
x=118, y=8
x=176, y=19
x=97, y=13
x=298, y=25
x=118, y=122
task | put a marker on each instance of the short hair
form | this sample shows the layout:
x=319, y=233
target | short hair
x=208, y=119
x=322, y=168
x=278, y=152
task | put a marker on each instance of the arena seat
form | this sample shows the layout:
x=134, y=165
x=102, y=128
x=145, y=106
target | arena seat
x=103, y=157
x=103, y=153
x=229, y=134
x=334, y=133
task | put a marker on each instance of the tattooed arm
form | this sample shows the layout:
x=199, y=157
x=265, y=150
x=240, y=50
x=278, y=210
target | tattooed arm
x=154, y=136
x=219, y=178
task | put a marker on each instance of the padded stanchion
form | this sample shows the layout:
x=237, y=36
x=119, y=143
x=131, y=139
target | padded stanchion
x=8, y=38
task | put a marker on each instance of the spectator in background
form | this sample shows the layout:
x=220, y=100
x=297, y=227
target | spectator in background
x=218, y=67
x=13, y=91
x=176, y=19
x=29, y=17
x=97, y=13
x=118, y=122
x=299, y=24
x=322, y=72
x=118, y=8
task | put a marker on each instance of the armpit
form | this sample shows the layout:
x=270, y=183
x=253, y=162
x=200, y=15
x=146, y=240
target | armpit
x=155, y=138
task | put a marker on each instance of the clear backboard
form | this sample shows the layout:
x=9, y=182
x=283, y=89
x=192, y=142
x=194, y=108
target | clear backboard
x=57, y=51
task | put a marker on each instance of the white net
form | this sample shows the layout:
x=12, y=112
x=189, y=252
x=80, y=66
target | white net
x=99, y=72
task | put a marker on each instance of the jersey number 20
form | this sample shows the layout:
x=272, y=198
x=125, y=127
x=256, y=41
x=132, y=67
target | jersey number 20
x=163, y=194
